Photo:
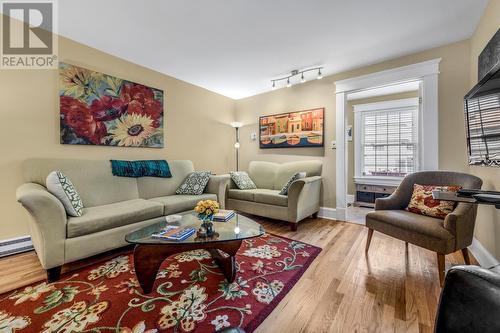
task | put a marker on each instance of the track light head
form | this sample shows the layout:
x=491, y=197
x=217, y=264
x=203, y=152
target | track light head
x=288, y=83
x=302, y=78
x=320, y=75
x=274, y=86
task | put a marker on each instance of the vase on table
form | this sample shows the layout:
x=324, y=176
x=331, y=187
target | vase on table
x=206, y=223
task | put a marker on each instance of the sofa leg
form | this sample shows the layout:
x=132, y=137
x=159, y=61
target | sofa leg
x=368, y=239
x=441, y=261
x=53, y=274
x=293, y=226
x=465, y=253
x=314, y=215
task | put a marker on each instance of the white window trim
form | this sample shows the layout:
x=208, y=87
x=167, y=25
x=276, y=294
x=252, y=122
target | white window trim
x=427, y=72
x=359, y=109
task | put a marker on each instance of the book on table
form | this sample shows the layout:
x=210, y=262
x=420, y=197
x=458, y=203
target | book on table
x=174, y=233
x=224, y=215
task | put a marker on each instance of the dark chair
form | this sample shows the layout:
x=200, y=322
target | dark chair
x=446, y=236
x=470, y=301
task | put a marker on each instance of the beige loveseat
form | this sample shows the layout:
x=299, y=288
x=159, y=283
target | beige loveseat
x=303, y=196
x=114, y=206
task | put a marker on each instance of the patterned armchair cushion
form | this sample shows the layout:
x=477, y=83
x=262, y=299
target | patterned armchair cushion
x=195, y=183
x=242, y=180
x=62, y=188
x=422, y=202
x=297, y=175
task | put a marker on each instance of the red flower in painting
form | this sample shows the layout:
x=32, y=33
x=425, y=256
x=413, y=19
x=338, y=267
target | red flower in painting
x=140, y=100
x=107, y=108
x=77, y=116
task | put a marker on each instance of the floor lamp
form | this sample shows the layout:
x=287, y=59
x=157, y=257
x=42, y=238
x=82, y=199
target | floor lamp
x=236, y=125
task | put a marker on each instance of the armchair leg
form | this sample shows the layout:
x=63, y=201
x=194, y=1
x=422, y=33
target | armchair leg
x=441, y=261
x=368, y=240
x=293, y=226
x=53, y=274
x=465, y=253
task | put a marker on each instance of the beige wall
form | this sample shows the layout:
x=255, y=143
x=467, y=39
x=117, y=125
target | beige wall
x=453, y=84
x=488, y=220
x=351, y=189
x=196, y=124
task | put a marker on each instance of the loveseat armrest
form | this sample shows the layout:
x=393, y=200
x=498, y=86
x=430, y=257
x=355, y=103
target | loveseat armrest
x=47, y=223
x=303, y=197
x=218, y=184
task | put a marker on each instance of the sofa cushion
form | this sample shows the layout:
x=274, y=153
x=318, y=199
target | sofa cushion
x=64, y=190
x=242, y=180
x=180, y=202
x=262, y=195
x=114, y=215
x=270, y=197
x=153, y=187
x=194, y=184
x=246, y=195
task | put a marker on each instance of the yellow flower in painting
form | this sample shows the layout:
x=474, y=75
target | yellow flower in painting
x=78, y=82
x=132, y=130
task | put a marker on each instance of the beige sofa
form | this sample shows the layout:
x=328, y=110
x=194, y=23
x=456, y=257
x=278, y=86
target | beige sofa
x=114, y=206
x=302, y=200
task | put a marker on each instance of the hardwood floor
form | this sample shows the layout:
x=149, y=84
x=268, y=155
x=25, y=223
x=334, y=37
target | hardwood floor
x=389, y=290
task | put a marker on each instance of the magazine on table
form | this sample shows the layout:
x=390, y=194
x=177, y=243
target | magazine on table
x=175, y=233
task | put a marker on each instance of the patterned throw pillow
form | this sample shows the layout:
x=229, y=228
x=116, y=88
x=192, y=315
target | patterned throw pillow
x=298, y=175
x=242, y=180
x=62, y=188
x=422, y=202
x=195, y=183
x=146, y=168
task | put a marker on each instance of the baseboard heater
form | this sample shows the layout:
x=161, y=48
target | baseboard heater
x=15, y=245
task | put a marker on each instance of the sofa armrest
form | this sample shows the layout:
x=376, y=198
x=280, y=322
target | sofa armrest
x=469, y=301
x=47, y=224
x=218, y=184
x=303, y=197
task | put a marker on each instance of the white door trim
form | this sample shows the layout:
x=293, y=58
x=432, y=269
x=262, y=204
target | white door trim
x=426, y=72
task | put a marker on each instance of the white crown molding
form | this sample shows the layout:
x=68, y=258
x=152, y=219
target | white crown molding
x=389, y=77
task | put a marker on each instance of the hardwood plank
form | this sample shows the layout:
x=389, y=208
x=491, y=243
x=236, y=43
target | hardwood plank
x=390, y=289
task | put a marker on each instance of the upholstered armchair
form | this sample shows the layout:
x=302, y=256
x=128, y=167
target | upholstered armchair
x=446, y=236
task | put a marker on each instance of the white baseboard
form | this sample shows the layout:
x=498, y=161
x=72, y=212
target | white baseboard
x=327, y=213
x=15, y=245
x=483, y=256
x=350, y=198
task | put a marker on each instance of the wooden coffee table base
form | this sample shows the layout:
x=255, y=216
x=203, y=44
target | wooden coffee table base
x=149, y=257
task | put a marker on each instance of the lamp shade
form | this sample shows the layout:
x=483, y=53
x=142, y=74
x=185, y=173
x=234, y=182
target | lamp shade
x=236, y=124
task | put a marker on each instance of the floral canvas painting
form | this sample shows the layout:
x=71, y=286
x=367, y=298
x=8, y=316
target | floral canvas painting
x=99, y=109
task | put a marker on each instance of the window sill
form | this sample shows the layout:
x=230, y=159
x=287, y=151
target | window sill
x=384, y=181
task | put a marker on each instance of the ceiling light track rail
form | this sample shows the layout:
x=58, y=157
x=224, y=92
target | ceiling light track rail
x=296, y=73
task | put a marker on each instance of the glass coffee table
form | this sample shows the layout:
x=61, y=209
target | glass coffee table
x=149, y=252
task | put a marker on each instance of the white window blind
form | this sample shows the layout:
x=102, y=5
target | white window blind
x=482, y=116
x=389, y=142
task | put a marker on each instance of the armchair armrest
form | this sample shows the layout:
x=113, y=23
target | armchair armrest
x=393, y=202
x=218, y=184
x=47, y=225
x=303, y=197
x=460, y=222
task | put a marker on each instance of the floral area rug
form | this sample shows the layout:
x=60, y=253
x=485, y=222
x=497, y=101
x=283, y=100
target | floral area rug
x=190, y=293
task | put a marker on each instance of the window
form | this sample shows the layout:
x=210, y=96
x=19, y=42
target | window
x=386, y=143
x=483, y=130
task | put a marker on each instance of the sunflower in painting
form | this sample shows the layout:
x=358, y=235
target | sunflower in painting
x=131, y=130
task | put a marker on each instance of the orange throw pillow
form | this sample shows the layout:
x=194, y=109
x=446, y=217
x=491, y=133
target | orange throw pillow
x=422, y=202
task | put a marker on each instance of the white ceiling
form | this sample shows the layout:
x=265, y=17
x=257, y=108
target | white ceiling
x=385, y=90
x=234, y=47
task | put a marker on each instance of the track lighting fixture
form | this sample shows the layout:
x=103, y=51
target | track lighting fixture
x=295, y=73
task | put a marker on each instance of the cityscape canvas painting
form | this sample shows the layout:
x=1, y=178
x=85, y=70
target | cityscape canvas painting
x=99, y=109
x=294, y=129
